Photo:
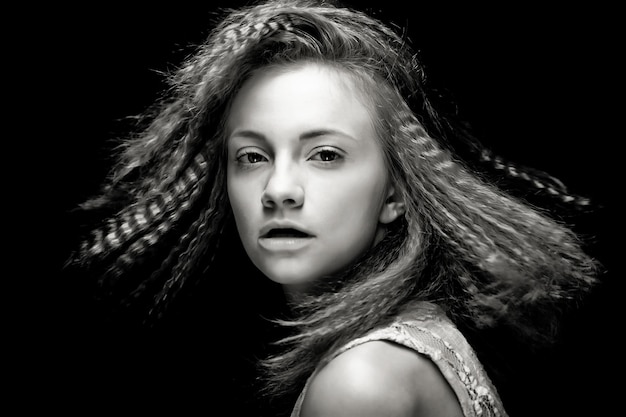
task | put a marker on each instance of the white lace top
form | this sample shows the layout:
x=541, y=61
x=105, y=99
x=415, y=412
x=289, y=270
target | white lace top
x=427, y=330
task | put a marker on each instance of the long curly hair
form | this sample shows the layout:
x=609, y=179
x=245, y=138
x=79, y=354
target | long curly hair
x=488, y=257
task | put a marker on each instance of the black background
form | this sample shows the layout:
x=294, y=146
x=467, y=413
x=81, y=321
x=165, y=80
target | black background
x=537, y=83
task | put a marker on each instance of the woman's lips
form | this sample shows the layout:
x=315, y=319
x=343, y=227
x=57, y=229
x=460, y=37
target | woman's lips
x=285, y=240
x=285, y=233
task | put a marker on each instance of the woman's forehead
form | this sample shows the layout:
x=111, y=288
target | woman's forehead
x=306, y=98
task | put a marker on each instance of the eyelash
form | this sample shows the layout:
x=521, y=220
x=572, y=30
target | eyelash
x=243, y=154
x=332, y=151
x=324, y=150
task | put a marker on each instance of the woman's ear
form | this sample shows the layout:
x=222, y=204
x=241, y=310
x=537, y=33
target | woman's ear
x=392, y=208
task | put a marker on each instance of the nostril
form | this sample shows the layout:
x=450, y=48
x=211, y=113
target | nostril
x=287, y=199
x=267, y=200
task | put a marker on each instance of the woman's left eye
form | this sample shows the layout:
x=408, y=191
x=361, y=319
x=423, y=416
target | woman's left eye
x=326, y=155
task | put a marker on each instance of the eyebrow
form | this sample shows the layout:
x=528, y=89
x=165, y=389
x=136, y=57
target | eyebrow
x=311, y=134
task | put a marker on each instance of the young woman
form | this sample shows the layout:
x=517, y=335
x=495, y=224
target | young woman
x=300, y=144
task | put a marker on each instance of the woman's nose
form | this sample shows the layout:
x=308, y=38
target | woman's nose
x=283, y=190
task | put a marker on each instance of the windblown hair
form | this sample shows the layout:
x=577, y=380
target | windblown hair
x=489, y=258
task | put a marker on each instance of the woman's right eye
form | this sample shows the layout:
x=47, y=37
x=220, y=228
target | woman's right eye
x=249, y=157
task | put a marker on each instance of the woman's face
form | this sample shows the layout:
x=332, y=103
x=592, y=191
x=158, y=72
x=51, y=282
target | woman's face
x=307, y=181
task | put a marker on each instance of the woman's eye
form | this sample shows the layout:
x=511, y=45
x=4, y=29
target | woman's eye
x=326, y=155
x=251, y=158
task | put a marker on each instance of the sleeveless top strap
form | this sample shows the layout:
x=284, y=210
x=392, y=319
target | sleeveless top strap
x=426, y=329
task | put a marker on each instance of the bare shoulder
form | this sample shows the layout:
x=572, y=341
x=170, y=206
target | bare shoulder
x=380, y=378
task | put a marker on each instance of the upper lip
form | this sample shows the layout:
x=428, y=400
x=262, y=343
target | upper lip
x=283, y=224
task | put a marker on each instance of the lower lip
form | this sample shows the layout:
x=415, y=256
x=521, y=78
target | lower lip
x=284, y=243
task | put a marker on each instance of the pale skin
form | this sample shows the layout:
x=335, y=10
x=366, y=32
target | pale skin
x=309, y=189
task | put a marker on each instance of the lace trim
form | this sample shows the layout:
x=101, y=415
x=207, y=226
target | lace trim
x=452, y=354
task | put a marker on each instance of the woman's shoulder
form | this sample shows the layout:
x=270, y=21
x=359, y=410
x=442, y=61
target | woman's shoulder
x=376, y=378
x=420, y=364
